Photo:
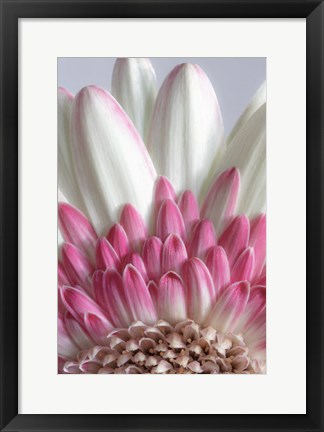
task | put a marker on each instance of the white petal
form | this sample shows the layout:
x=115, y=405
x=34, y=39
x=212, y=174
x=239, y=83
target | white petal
x=258, y=100
x=111, y=162
x=134, y=86
x=247, y=153
x=186, y=134
x=66, y=176
x=60, y=198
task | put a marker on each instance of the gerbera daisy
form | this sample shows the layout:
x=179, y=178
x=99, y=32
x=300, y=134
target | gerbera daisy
x=162, y=268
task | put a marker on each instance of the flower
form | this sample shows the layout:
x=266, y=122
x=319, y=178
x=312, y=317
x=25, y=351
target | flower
x=162, y=269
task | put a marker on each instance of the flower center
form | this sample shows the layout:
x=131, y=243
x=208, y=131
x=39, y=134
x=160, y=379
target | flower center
x=185, y=348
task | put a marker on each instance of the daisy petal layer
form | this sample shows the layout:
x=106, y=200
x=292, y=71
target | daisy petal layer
x=76, y=228
x=247, y=152
x=186, y=133
x=171, y=298
x=106, y=145
x=220, y=202
x=230, y=307
x=199, y=289
x=67, y=182
x=134, y=86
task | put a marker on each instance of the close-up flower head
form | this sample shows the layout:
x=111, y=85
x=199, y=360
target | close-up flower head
x=162, y=227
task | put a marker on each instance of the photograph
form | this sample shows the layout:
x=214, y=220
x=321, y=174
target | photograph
x=162, y=216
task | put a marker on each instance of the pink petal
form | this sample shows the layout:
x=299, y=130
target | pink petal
x=255, y=336
x=243, y=267
x=77, y=333
x=218, y=266
x=203, y=237
x=163, y=190
x=90, y=367
x=138, y=296
x=199, y=289
x=134, y=226
x=258, y=242
x=235, y=238
x=153, y=290
x=189, y=208
x=171, y=299
x=117, y=237
x=63, y=278
x=114, y=299
x=174, y=253
x=79, y=303
x=152, y=257
x=60, y=306
x=78, y=267
x=254, y=308
x=262, y=279
x=97, y=327
x=169, y=220
x=106, y=257
x=221, y=199
x=66, y=347
x=136, y=260
x=101, y=295
x=76, y=229
x=229, y=307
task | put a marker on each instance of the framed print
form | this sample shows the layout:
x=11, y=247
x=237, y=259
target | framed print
x=161, y=172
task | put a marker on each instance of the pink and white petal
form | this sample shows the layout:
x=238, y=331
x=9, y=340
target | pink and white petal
x=254, y=309
x=229, y=308
x=174, y=254
x=106, y=257
x=187, y=129
x=258, y=242
x=199, y=289
x=90, y=367
x=244, y=266
x=163, y=190
x=134, y=226
x=247, y=152
x=71, y=367
x=262, y=279
x=171, y=299
x=135, y=259
x=97, y=327
x=203, y=238
x=63, y=278
x=76, y=229
x=134, y=86
x=169, y=220
x=219, y=269
x=100, y=293
x=154, y=292
x=67, y=182
x=220, y=202
x=105, y=146
x=77, y=266
x=78, y=303
x=60, y=305
x=189, y=208
x=138, y=296
x=235, y=238
x=114, y=298
x=152, y=257
x=255, y=337
x=117, y=237
x=77, y=333
x=66, y=347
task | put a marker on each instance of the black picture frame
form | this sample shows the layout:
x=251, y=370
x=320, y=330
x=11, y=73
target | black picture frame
x=11, y=12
